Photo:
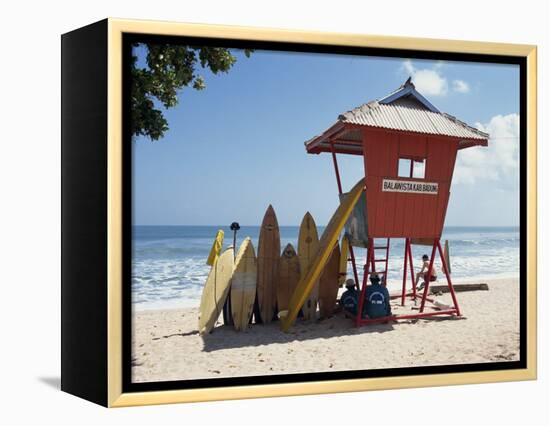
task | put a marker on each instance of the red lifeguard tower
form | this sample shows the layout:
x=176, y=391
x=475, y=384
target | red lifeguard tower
x=409, y=149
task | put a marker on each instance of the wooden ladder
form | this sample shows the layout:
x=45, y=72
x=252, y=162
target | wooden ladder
x=374, y=260
x=370, y=268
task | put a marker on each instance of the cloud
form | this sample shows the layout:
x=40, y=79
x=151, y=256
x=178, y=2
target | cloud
x=431, y=81
x=497, y=162
x=428, y=81
x=461, y=86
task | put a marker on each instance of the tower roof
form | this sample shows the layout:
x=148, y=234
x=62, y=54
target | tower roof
x=405, y=109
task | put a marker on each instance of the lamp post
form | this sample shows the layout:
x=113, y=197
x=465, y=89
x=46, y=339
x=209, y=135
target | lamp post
x=227, y=317
x=235, y=227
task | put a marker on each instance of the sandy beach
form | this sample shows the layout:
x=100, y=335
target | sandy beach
x=166, y=344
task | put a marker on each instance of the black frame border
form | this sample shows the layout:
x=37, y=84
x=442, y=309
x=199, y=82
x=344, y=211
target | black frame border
x=128, y=386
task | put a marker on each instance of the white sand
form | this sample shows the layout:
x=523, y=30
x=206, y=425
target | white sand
x=166, y=344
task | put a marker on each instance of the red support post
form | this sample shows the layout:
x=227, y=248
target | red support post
x=386, y=263
x=354, y=266
x=412, y=270
x=370, y=250
x=448, y=276
x=339, y=183
x=428, y=273
x=336, y=167
x=404, y=288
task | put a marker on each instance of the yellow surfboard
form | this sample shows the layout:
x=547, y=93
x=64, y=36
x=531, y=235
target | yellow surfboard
x=328, y=284
x=243, y=285
x=216, y=248
x=326, y=245
x=308, y=245
x=215, y=291
x=344, y=254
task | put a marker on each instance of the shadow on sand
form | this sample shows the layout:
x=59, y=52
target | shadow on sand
x=224, y=337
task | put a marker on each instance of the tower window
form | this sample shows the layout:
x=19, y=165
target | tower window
x=410, y=168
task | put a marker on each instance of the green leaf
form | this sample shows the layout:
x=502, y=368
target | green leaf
x=169, y=69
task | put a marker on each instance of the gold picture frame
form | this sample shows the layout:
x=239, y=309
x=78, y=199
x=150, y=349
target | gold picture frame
x=114, y=300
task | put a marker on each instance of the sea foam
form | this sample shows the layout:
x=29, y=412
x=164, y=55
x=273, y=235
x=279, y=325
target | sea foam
x=169, y=263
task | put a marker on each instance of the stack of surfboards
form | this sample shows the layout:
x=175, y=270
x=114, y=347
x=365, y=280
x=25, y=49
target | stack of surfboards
x=229, y=274
x=279, y=274
x=321, y=261
x=217, y=284
x=264, y=285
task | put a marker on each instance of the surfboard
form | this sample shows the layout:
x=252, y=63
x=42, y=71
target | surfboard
x=447, y=257
x=328, y=284
x=326, y=245
x=243, y=285
x=215, y=291
x=216, y=249
x=344, y=254
x=308, y=244
x=289, y=275
x=269, y=249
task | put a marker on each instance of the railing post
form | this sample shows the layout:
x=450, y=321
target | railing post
x=429, y=274
x=404, y=288
x=412, y=270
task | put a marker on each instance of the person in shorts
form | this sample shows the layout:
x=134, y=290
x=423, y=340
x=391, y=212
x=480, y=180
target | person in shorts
x=424, y=273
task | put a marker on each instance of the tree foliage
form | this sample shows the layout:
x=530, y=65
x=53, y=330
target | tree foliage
x=169, y=69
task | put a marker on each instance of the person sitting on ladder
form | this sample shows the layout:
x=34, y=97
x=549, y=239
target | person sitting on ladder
x=424, y=273
x=377, y=299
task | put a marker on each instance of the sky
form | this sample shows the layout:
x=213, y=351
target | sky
x=238, y=146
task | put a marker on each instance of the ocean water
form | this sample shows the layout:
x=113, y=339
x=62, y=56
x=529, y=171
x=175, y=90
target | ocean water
x=169, y=262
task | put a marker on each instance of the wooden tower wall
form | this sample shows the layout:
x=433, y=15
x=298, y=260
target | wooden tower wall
x=396, y=214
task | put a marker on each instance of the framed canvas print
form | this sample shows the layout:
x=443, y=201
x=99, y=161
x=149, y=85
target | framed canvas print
x=254, y=212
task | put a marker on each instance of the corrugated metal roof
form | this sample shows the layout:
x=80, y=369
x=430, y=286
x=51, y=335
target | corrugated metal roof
x=405, y=109
x=408, y=115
